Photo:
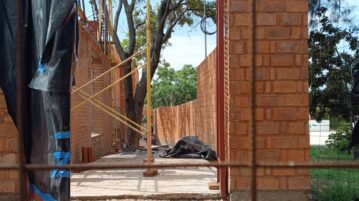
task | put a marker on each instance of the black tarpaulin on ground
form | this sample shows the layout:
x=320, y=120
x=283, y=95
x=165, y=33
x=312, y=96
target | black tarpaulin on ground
x=51, y=43
x=190, y=147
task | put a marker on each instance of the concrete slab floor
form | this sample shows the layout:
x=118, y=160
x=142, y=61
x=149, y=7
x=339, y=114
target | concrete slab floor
x=170, y=184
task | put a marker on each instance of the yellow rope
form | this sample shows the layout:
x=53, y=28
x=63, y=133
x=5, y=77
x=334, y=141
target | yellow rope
x=114, y=116
x=112, y=110
x=109, y=70
x=109, y=86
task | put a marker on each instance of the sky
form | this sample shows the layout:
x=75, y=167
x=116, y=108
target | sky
x=188, y=43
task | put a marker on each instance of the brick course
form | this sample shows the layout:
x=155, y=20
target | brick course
x=282, y=92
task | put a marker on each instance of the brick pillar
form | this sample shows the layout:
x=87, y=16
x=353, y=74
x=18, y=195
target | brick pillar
x=8, y=154
x=282, y=97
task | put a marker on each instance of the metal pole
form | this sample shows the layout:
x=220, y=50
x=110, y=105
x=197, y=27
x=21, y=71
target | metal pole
x=20, y=95
x=221, y=173
x=149, y=172
x=205, y=28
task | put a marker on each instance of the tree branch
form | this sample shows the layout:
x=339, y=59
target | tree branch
x=117, y=15
x=171, y=27
x=131, y=26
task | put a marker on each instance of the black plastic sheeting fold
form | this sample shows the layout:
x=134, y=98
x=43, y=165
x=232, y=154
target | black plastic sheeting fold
x=51, y=38
x=190, y=147
x=354, y=141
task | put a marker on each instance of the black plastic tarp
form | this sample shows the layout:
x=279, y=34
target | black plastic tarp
x=51, y=38
x=355, y=101
x=190, y=147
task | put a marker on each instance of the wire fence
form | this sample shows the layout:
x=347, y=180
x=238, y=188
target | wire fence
x=330, y=143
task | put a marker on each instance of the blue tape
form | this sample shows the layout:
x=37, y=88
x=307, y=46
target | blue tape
x=60, y=174
x=63, y=157
x=43, y=196
x=62, y=135
x=41, y=68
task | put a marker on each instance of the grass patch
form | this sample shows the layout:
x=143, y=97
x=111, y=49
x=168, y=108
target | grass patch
x=321, y=153
x=333, y=184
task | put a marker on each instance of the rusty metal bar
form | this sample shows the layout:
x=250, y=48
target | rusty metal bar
x=222, y=172
x=252, y=64
x=21, y=95
x=91, y=166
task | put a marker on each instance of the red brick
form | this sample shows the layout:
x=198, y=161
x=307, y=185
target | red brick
x=296, y=100
x=288, y=73
x=268, y=155
x=272, y=5
x=262, y=74
x=282, y=60
x=241, y=20
x=283, y=142
x=260, y=142
x=299, y=182
x=244, y=60
x=239, y=128
x=289, y=19
x=7, y=186
x=283, y=171
x=289, y=113
x=268, y=114
x=296, y=32
x=240, y=47
x=284, y=87
x=241, y=101
x=278, y=32
x=297, y=6
x=268, y=183
x=7, y=158
x=239, y=6
x=240, y=87
x=290, y=47
x=262, y=46
x=268, y=128
x=296, y=155
x=269, y=100
x=259, y=114
x=260, y=32
x=266, y=19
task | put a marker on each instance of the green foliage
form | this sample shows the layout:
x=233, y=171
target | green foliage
x=339, y=140
x=173, y=87
x=329, y=68
x=335, y=122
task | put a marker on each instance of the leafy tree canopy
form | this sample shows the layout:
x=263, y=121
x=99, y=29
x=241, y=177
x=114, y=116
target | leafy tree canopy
x=329, y=67
x=173, y=87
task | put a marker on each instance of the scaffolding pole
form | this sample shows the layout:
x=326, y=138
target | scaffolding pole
x=149, y=172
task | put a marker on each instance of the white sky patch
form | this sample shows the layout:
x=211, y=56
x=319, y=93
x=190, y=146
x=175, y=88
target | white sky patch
x=187, y=50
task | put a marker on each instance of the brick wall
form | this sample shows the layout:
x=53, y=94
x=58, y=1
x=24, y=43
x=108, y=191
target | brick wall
x=197, y=117
x=88, y=119
x=281, y=92
x=8, y=156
